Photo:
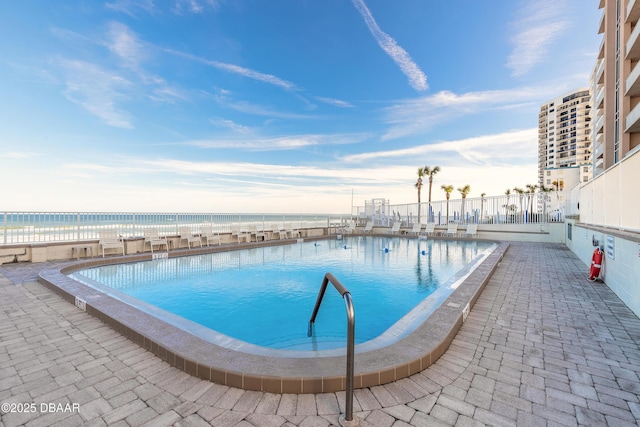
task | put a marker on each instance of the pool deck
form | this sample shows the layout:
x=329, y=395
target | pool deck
x=542, y=346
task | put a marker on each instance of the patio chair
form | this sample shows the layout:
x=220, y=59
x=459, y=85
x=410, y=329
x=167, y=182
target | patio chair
x=416, y=229
x=368, y=228
x=349, y=228
x=207, y=233
x=471, y=231
x=280, y=232
x=152, y=237
x=452, y=229
x=430, y=228
x=396, y=228
x=109, y=239
x=253, y=230
x=186, y=234
x=291, y=231
x=239, y=234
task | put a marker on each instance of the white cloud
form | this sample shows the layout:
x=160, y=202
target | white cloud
x=539, y=23
x=131, y=7
x=417, y=79
x=513, y=147
x=416, y=116
x=194, y=6
x=236, y=69
x=335, y=102
x=96, y=90
x=257, y=143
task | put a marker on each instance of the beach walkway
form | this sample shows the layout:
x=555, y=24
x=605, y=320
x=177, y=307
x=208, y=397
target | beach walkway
x=542, y=347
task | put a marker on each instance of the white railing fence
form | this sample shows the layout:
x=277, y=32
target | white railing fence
x=42, y=227
x=513, y=209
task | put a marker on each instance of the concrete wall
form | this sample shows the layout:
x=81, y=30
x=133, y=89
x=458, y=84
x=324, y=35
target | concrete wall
x=621, y=268
x=54, y=251
x=611, y=199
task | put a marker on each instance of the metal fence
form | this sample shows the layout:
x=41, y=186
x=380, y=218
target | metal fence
x=41, y=227
x=516, y=208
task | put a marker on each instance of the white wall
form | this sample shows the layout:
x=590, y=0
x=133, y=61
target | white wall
x=620, y=273
x=611, y=199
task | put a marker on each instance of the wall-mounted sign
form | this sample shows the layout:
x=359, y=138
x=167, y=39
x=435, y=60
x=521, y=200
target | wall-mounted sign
x=611, y=247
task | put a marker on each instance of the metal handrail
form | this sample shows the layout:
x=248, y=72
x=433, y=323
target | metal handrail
x=348, y=419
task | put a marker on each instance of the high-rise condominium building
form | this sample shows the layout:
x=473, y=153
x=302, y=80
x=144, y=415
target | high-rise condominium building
x=564, y=137
x=616, y=85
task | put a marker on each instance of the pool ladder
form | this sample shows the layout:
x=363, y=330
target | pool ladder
x=347, y=420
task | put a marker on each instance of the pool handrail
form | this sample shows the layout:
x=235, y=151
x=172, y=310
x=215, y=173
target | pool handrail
x=348, y=419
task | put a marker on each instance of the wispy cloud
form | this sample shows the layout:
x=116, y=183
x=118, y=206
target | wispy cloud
x=511, y=147
x=279, y=143
x=96, y=90
x=335, y=102
x=416, y=116
x=236, y=69
x=538, y=24
x=194, y=6
x=417, y=79
x=131, y=7
x=177, y=7
x=133, y=53
x=19, y=155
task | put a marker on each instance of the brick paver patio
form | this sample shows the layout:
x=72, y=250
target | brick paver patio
x=542, y=346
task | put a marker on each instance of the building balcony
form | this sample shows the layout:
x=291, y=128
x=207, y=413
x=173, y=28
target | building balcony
x=598, y=73
x=633, y=44
x=633, y=11
x=601, y=50
x=599, y=125
x=632, y=123
x=633, y=82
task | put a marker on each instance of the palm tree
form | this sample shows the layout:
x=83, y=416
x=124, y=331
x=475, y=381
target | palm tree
x=430, y=172
x=463, y=192
x=559, y=185
x=520, y=192
x=447, y=189
x=507, y=193
x=482, y=196
x=531, y=189
x=418, y=185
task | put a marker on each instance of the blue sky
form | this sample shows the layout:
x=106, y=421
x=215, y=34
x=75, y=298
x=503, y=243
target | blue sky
x=279, y=105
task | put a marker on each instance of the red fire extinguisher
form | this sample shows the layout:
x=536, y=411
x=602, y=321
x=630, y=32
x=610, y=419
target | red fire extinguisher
x=596, y=264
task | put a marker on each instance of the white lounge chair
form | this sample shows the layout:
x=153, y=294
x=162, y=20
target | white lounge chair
x=472, y=230
x=109, y=239
x=280, y=232
x=152, y=237
x=369, y=227
x=186, y=234
x=396, y=228
x=253, y=230
x=238, y=233
x=416, y=229
x=349, y=228
x=452, y=229
x=430, y=228
x=207, y=233
x=292, y=232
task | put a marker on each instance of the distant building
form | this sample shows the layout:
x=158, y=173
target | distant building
x=616, y=85
x=564, y=137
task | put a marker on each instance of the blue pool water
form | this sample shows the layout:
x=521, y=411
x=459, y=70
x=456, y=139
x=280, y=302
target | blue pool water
x=265, y=296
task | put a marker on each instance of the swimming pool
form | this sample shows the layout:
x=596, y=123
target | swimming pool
x=276, y=371
x=263, y=297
